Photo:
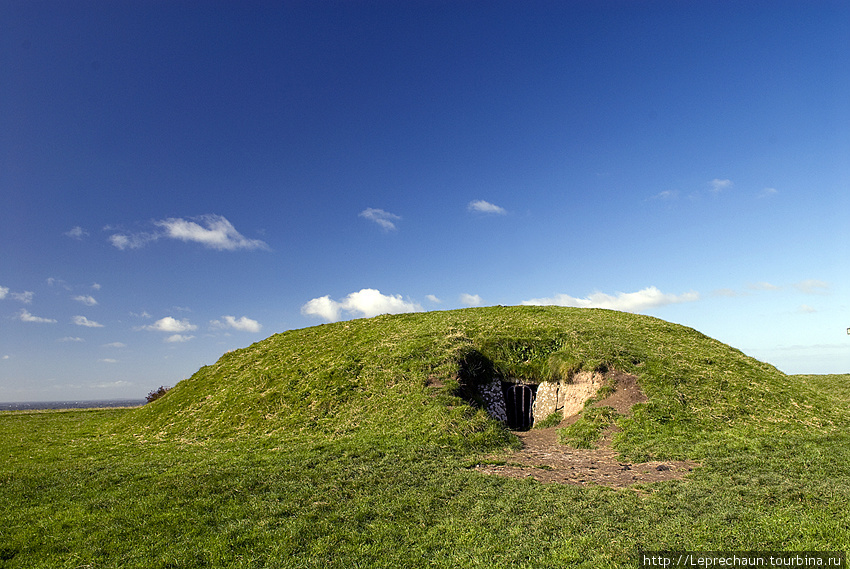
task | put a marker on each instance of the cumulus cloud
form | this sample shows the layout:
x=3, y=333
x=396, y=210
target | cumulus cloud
x=169, y=324
x=482, y=206
x=639, y=301
x=717, y=185
x=178, y=338
x=383, y=218
x=25, y=316
x=432, y=298
x=108, y=361
x=470, y=299
x=366, y=303
x=83, y=321
x=211, y=231
x=214, y=231
x=25, y=297
x=243, y=324
x=812, y=286
x=323, y=307
x=767, y=192
x=70, y=339
x=88, y=300
x=77, y=233
x=115, y=345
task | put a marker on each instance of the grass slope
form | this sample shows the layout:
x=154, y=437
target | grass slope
x=326, y=448
x=370, y=377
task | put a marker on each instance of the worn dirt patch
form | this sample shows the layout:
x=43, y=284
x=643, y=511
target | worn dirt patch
x=544, y=459
x=627, y=392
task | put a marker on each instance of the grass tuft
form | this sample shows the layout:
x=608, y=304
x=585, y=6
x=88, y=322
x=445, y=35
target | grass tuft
x=585, y=432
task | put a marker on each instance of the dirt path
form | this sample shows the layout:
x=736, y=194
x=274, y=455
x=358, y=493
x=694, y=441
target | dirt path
x=543, y=459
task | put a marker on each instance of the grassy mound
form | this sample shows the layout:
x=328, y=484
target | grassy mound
x=375, y=377
x=347, y=446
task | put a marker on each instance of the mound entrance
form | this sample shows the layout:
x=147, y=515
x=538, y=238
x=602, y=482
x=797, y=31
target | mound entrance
x=520, y=403
x=543, y=458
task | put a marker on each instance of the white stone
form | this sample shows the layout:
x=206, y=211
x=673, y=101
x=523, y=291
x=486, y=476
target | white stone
x=568, y=397
x=494, y=400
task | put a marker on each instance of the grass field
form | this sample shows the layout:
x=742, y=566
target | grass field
x=331, y=447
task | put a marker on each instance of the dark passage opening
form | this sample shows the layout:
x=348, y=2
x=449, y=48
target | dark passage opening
x=518, y=400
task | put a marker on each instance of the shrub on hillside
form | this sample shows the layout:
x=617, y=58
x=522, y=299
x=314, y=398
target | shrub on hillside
x=154, y=395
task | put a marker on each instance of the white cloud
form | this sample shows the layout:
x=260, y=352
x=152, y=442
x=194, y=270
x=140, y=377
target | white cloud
x=51, y=281
x=812, y=286
x=108, y=361
x=762, y=286
x=243, y=324
x=383, y=218
x=3, y=292
x=767, y=192
x=212, y=231
x=77, y=233
x=367, y=302
x=25, y=297
x=323, y=307
x=482, y=206
x=27, y=317
x=95, y=286
x=728, y=292
x=88, y=300
x=83, y=321
x=109, y=384
x=133, y=241
x=169, y=324
x=470, y=299
x=806, y=309
x=666, y=195
x=115, y=345
x=638, y=301
x=6, y=357
x=717, y=185
x=178, y=338
x=70, y=339
x=434, y=299
x=216, y=233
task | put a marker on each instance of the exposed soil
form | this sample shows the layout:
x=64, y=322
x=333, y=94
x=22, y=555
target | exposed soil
x=542, y=458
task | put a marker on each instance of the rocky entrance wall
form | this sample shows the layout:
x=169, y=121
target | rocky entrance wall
x=565, y=397
x=568, y=398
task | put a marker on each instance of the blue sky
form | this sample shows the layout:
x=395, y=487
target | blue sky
x=180, y=179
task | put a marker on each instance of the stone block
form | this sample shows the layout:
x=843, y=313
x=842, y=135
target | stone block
x=566, y=397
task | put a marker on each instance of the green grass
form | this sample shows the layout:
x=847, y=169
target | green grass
x=330, y=447
x=552, y=420
x=585, y=432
